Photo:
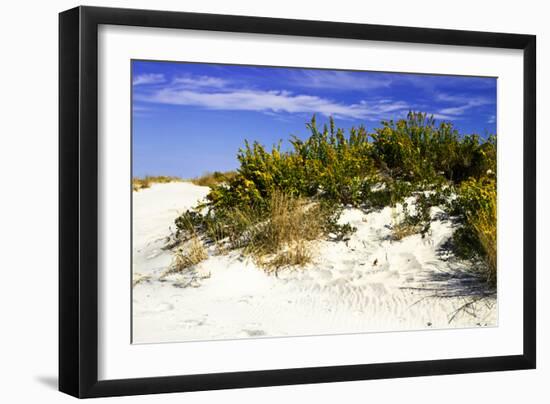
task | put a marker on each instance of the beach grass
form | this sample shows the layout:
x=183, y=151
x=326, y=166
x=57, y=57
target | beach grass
x=148, y=180
x=281, y=240
x=210, y=179
x=402, y=230
x=186, y=257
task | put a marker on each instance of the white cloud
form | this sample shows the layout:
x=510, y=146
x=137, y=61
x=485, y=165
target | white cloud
x=140, y=108
x=221, y=94
x=492, y=119
x=338, y=80
x=466, y=103
x=149, y=78
x=200, y=82
x=455, y=110
x=444, y=117
x=273, y=101
x=139, y=111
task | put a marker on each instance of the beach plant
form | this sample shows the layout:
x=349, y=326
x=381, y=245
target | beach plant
x=140, y=183
x=327, y=164
x=297, y=254
x=416, y=149
x=476, y=209
x=264, y=206
x=280, y=239
x=413, y=221
x=186, y=257
x=275, y=234
x=387, y=191
x=209, y=179
x=376, y=169
x=148, y=180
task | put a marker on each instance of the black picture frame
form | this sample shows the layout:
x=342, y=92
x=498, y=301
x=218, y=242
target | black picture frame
x=78, y=201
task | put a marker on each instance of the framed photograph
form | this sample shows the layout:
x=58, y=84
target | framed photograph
x=251, y=201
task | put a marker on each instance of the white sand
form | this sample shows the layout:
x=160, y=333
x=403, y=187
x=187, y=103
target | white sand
x=365, y=284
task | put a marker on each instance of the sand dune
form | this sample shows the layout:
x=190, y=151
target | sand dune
x=367, y=283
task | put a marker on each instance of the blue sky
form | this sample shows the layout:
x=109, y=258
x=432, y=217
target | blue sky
x=189, y=118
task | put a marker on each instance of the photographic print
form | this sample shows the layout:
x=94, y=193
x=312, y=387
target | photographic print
x=280, y=201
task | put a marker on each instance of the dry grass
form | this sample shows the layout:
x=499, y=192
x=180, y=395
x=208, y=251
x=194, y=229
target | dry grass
x=297, y=254
x=485, y=225
x=212, y=179
x=477, y=198
x=402, y=230
x=275, y=235
x=148, y=180
x=140, y=183
x=138, y=278
x=185, y=258
x=281, y=240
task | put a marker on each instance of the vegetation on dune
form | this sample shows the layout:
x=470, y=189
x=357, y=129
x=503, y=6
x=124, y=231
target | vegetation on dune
x=414, y=223
x=212, y=179
x=403, y=156
x=275, y=234
x=281, y=236
x=278, y=236
x=185, y=258
x=148, y=180
x=476, y=208
x=279, y=200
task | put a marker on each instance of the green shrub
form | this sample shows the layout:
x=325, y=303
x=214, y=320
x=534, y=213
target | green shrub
x=331, y=169
x=385, y=192
x=376, y=170
x=417, y=221
x=476, y=208
x=274, y=235
x=415, y=149
x=327, y=164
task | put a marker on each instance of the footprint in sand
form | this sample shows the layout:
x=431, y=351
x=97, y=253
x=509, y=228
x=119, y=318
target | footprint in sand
x=154, y=254
x=245, y=299
x=252, y=329
x=323, y=275
x=162, y=307
x=346, y=272
x=192, y=323
x=253, y=333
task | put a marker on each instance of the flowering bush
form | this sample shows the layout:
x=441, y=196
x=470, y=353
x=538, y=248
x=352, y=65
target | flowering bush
x=365, y=170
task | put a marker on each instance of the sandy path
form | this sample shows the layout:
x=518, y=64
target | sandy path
x=368, y=283
x=154, y=211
